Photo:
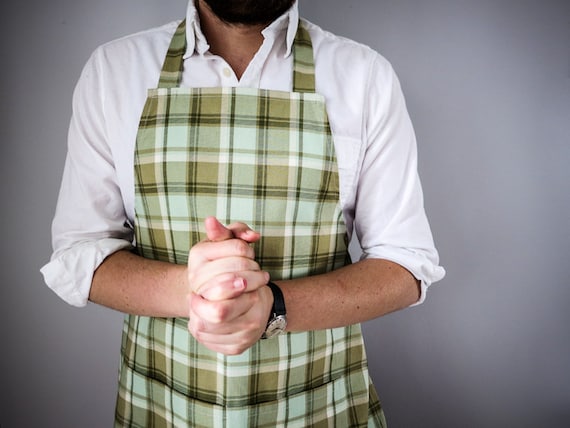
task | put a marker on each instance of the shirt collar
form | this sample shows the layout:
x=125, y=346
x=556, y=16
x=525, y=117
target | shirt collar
x=196, y=42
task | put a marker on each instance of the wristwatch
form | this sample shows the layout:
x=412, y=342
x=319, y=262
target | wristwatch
x=278, y=318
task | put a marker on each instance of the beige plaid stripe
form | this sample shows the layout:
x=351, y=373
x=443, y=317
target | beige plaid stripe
x=265, y=158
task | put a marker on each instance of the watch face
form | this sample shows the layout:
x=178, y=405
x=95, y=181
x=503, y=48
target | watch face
x=276, y=326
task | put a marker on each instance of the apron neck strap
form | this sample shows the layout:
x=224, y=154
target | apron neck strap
x=303, y=61
x=171, y=73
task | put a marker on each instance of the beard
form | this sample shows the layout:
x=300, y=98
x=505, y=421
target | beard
x=249, y=12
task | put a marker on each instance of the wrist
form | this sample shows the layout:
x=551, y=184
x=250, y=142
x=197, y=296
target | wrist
x=182, y=291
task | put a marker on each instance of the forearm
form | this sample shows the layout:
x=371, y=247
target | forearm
x=353, y=294
x=135, y=285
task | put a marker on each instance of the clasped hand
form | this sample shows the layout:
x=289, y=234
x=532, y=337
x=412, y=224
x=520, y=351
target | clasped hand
x=228, y=302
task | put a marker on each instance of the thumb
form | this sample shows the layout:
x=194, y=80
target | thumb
x=216, y=231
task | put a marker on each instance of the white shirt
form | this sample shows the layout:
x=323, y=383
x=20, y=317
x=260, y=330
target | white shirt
x=375, y=144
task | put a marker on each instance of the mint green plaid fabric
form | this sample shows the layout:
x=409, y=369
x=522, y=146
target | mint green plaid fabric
x=265, y=158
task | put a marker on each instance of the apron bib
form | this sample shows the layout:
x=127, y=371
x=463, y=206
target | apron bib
x=265, y=158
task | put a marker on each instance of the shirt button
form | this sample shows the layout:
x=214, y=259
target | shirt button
x=227, y=72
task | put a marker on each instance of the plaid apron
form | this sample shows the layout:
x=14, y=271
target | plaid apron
x=265, y=158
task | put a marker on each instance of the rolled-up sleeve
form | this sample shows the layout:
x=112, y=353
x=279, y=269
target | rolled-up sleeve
x=90, y=222
x=389, y=215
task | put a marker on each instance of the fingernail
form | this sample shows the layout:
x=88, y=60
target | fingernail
x=240, y=283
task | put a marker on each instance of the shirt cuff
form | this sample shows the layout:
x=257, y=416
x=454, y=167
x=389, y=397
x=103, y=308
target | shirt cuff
x=70, y=272
x=419, y=264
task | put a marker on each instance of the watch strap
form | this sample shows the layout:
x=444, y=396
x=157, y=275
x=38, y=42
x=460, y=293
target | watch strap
x=278, y=299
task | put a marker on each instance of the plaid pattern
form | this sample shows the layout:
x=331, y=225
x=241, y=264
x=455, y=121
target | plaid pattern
x=262, y=157
x=265, y=158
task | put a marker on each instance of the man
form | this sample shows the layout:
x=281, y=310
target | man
x=218, y=218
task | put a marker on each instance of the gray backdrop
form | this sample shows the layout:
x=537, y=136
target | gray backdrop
x=488, y=87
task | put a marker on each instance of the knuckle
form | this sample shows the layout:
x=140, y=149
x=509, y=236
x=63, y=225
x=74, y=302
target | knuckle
x=233, y=351
x=194, y=331
x=254, y=298
x=242, y=248
x=237, y=349
x=194, y=251
x=219, y=313
x=242, y=264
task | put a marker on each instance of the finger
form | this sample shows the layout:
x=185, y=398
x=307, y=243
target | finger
x=225, y=287
x=205, y=251
x=215, y=270
x=234, y=336
x=227, y=340
x=230, y=285
x=220, y=316
x=216, y=231
x=243, y=231
x=231, y=344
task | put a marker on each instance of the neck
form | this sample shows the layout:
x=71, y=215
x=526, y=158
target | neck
x=237, y=44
